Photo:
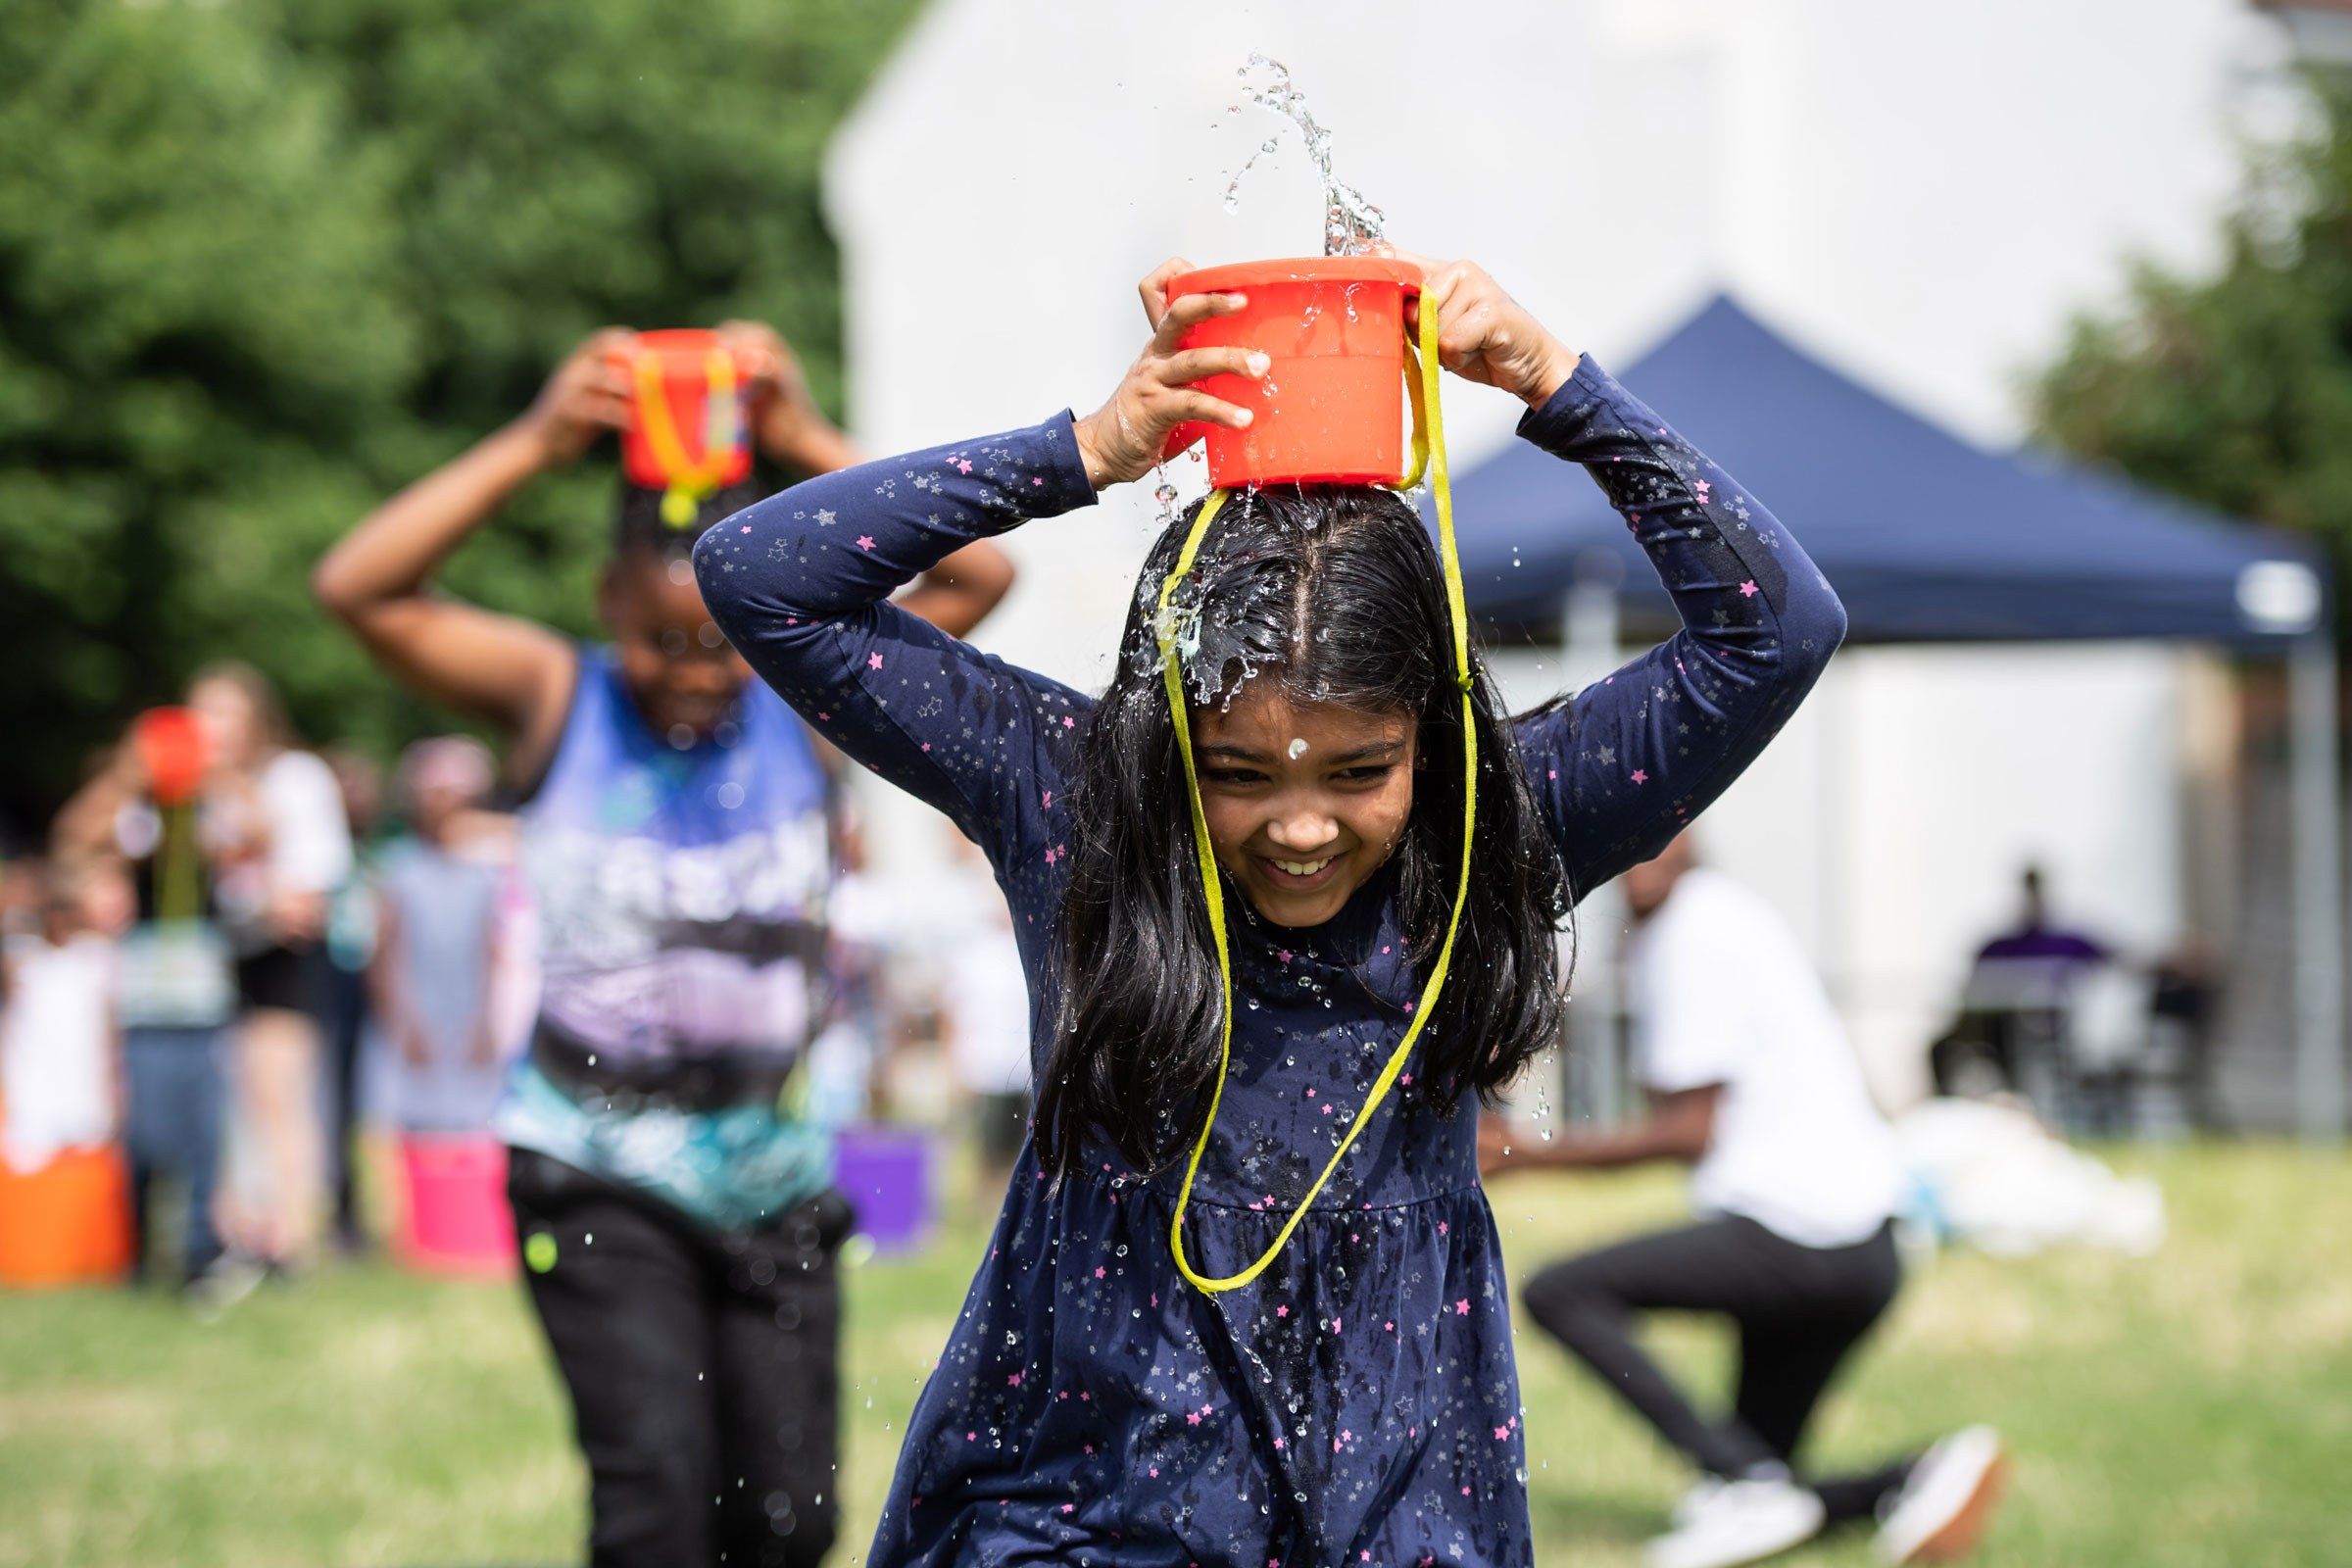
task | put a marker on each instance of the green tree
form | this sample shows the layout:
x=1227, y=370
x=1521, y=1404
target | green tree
x=198, y=334
x=262, y=261
x=2235, y=389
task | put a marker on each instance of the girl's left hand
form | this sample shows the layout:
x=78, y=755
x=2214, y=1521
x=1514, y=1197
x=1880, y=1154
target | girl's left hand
x=1484, y=335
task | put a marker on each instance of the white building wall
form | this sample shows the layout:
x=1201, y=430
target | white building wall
x=1922, y=194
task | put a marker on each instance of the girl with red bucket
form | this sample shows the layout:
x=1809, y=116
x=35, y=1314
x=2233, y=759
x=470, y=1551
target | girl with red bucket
x=678, y=1227
x=1287, y=894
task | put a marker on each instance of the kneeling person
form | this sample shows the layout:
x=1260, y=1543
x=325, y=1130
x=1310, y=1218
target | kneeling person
x=1796, y=1180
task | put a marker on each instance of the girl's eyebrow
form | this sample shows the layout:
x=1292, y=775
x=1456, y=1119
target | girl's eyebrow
x=1230, y=752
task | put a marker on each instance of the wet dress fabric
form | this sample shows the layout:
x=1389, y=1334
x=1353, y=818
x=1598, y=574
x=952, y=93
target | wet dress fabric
x=1359, y=1402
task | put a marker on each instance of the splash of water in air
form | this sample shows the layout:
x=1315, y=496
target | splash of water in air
x=1351, y=224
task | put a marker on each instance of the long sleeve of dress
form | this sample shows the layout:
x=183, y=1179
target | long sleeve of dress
x=800, y=583
x=1636, y=756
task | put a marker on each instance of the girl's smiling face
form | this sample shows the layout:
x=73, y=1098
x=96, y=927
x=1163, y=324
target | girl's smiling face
x=1304, y=800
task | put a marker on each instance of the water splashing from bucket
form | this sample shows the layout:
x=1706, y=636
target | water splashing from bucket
x=1351, y=224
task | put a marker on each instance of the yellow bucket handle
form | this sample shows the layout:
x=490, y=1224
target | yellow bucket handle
x=1429, y=450
x=690, y=483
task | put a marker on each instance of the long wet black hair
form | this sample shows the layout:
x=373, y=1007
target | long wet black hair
x=1336, y=594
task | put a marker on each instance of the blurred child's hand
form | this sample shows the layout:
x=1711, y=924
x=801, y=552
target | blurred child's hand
x=1124, y=438
x=1484, y=335
x=784, y=414
x=588, y=395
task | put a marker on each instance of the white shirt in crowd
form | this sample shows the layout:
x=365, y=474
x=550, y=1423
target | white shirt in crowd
x=1722, y=994
x=310, y=842
x=57, y=1050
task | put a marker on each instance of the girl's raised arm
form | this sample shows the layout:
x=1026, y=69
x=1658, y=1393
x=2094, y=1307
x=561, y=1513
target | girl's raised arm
x=1625, y=766
x=1636, y=756
x=800, y=583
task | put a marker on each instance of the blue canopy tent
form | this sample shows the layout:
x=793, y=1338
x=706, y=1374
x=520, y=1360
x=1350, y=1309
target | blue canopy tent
x=1929, y=539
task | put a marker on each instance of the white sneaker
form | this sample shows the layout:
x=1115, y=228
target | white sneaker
x=1695, y=1501
x=1946, y=1501
x=1734, y=1522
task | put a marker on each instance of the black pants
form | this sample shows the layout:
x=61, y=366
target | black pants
x=703, y=1368
x=1800, y=1311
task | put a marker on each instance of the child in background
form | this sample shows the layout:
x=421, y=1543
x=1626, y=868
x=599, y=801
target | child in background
x=283, y=847
x=1357, y=1401
x=60, y=1066
x=678, y=1227
x=176, y=998
x=436, y=946
x=1798, y=1180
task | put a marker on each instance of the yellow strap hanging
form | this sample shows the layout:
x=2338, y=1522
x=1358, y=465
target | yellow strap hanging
x=1429, y=447
x=690, y=483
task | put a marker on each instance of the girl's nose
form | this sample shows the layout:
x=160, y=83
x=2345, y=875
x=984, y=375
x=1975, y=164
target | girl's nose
x=1302, y=830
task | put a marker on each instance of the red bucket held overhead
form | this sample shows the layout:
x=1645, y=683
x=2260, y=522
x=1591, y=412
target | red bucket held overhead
x=1331, y=408
x=171, y=746
x=688, y=436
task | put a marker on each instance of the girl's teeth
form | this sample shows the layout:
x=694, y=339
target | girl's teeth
x=1303, y=867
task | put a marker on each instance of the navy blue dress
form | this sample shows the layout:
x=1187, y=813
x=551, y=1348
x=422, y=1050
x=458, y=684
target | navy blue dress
x=1358, y=1403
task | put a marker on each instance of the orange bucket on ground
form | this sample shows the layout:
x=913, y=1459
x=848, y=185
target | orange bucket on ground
x=1331, y=408
x=691, y=434
x=67, y=1223
x=455, y=1219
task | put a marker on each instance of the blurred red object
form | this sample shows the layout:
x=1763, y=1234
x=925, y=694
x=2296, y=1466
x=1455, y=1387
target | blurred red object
x=691, y=437
x=171, y=748
x=67, y=1223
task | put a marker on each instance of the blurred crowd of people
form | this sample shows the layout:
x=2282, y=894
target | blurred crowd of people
x=242, y=970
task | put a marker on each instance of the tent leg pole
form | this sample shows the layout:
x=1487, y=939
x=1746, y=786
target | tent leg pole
x=2318, y=940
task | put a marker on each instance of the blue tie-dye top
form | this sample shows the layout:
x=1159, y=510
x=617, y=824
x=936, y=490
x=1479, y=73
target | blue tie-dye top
x=680, y=896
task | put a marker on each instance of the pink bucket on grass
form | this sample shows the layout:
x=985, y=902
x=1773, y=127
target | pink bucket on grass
x=456, y=1218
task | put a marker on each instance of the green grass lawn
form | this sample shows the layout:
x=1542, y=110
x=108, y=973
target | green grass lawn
x=2191, y=1409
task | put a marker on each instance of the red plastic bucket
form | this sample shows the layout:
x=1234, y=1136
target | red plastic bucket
x=171, y=746
x=67, y=1223
x=1331, y=408
x=699, y=438
x=456, y=1217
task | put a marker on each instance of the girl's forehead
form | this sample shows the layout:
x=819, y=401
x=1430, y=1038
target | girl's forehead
x=1264, y=717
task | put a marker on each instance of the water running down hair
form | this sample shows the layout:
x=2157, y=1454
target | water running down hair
x=1334, y=593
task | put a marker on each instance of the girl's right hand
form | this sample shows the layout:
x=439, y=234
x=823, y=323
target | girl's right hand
x=588, y=394
x=1126, y=437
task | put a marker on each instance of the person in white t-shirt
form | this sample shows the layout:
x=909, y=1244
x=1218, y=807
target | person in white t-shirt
x=1795, y=1179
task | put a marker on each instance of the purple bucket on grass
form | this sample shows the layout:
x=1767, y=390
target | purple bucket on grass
x=885, y=1172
